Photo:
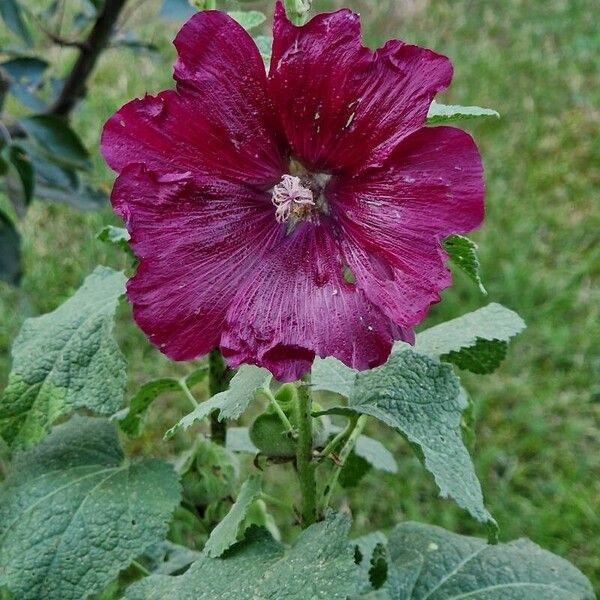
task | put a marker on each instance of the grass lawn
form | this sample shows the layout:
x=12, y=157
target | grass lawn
x=538, y=445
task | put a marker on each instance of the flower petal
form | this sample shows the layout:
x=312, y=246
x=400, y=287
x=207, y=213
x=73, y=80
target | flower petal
x=393, y=219
x=343, y=106
x=297, y=305
x=196, y=243
x=220, y=120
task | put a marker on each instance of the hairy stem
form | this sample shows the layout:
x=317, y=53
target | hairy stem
x=335, y=442
x=74, y=87
x=356, y=427
x=304, y=462
x=219, y=378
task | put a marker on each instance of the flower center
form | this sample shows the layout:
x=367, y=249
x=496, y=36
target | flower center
x=299, y=195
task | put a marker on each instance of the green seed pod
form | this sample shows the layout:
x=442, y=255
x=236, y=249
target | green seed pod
x=269, y=436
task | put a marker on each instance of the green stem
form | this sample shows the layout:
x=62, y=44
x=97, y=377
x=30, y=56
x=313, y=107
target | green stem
x=304, y=462
x=188, y=394
x=334, y=442
x=140, y=568
x=219, y=378
x=356, y=427
x=282, y=416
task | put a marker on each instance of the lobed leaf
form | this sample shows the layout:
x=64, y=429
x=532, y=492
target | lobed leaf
x=225, y=534
x=429, y=563
x=452, y=113
x=319, y=564
x=73, y=513
x=477, y=341
x=421, y=398
x=244, y=387
x=463, y=252
x=64, y=360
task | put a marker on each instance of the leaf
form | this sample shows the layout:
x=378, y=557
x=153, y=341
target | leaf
x=248, y=19
x=238, y=440
x=27, y=70
x=117, y=236
x=373, y=451
x=318, y=565
x=84, y=198
x=10, y=11
x=57, y=140
x=431, y=563
x=332, y=375
x=354, y=469
x=463, y=253
x=225, y=534
x=244, y=387
x=73, y=513
x=477, y=341
x=64, y=360
x=420, y=397
x=176, y=10
x=167, y=558
x=131, y=419
x=19, y=178
x=452, y=113
x=264, y=43
x=10, y=251
x=368, y=555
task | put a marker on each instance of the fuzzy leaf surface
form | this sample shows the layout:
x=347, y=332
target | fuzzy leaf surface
x=225, y=534
x=463, y=253
x=421, y=398
x=320, y=564
x=477, y=341
x=453, y=113
x=64, y=360
x=73, y=513
x=430, y=563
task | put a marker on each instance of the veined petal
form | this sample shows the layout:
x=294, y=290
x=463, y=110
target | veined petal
x=297, y=305
x=197, y=242
x=344, y=107
x=220, y=120
x=394, y=218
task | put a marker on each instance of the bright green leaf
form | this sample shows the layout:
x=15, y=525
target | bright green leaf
x=10, y=11
x=117, y=236
x=477, y=341
x=64, y=360
x=10, y=251
x=57, y=140
x=226, y=533
x=319, y=564
x=429, y=563
x=451, y=113
x=244, y=387
x=421, y=398
x=248, y=19
x=73, y=513
x=463, y=252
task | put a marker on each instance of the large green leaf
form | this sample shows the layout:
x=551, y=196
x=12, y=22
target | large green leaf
x=57, y=140
x=421, y=398
x=10, y=11
x=320, y=564
x=463, y=253
x=429, y=563
x=225, y=534
x=64, y=360
x=244, y=387
x=477, y=341
x=73, y=513
x=451, y=113
x=10, y=251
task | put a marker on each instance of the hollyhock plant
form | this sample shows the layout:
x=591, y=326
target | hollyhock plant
x=291, y=214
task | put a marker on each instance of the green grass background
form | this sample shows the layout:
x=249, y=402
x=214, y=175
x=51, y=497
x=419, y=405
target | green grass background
x=538, y=430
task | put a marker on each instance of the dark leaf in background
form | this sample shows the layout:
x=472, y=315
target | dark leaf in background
x=10, y=251
x=27, y=78
x=10, y=11
x=55, y=138
x=19, y=178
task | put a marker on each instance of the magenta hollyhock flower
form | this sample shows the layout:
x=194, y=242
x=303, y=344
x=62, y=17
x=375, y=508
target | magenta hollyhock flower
x=297, y=213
